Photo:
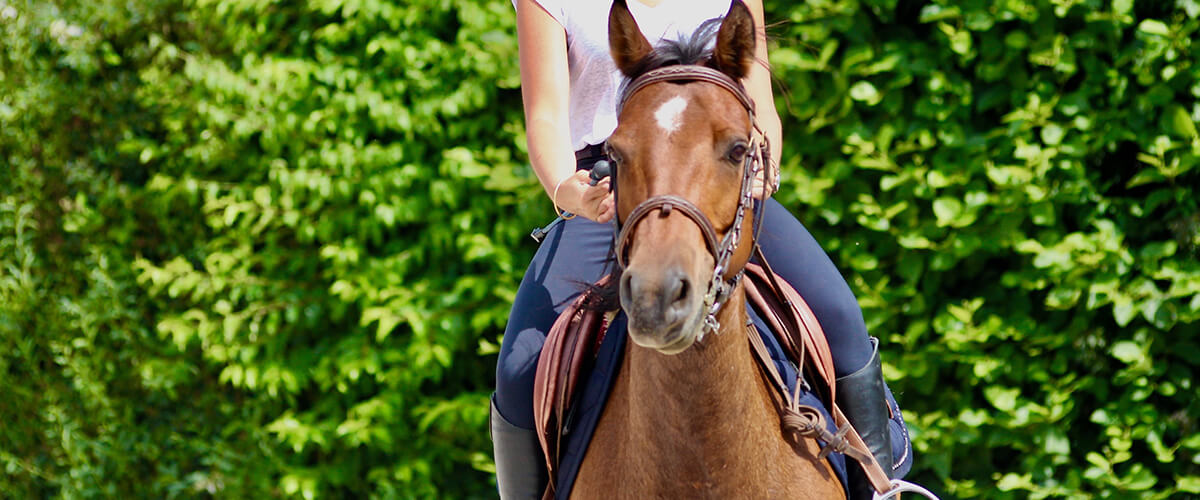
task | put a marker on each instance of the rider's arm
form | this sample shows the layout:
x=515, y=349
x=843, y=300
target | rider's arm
x=758, y=83
x=545, y=90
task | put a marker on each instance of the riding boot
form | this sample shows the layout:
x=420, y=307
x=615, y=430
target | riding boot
x=520, y=472
x=862, y=397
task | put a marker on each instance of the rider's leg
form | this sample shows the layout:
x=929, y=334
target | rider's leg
x=800, y=260
x=573, y=254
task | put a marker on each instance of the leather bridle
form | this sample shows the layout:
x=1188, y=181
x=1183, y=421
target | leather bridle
x=757, y=157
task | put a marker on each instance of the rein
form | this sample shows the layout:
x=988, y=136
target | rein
x=720, y=286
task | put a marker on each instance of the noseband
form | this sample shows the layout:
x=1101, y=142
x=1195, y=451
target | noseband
x=720, y=286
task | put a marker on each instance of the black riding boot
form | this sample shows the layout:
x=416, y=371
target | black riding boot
x=520, y=472
x=861, y=396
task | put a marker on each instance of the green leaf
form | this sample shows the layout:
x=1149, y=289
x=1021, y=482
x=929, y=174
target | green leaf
x=1154, y=27
x=864, y=91
x=1052, y=134
x=934, y=12
x=1011, y=482
x=1124, y=311
x=1191, y=442
x=1056, y=443
x=947, y=211
x=1189, y=484
x=1140, y=478
x=1128, y=351
x=1180, y=122
x=914, y=241
x=1003, y=398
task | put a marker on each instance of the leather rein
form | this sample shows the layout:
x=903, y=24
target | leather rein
x=758, y=156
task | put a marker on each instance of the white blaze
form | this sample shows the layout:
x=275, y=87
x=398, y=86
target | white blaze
x=670, y=114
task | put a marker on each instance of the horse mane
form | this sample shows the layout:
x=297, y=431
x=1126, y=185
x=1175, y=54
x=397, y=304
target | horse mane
x=686, y=50
x=608, y=297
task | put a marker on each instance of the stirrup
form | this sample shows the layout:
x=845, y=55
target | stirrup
x=901, y=486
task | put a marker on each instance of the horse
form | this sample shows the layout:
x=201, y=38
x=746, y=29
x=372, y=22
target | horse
x=689, y=415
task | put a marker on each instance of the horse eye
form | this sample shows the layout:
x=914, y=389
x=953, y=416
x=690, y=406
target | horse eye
x=737, y=153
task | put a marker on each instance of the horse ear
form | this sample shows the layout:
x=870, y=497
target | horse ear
x=625, y=39
x=736, y=39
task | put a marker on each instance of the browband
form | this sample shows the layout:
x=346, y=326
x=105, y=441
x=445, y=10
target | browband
x=687, y=72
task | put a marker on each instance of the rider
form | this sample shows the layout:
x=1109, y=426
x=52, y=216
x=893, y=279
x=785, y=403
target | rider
x=569, y=84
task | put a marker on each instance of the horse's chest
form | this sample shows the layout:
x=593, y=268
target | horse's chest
x=638, y=451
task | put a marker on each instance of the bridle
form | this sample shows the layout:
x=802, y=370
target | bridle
x=720, y=286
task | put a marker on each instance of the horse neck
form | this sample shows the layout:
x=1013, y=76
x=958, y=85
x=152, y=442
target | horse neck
x=699, y=424
x=709, y=393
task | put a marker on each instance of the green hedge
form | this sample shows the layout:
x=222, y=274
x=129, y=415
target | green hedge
x=1011, y=189
x=252, y=247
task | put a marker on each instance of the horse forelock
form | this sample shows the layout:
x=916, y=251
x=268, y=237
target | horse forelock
x=687, y=49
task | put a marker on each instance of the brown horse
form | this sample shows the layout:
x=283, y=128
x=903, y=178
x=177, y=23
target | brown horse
x=689, y=415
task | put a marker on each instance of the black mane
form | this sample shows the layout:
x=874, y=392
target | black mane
x=688, y=49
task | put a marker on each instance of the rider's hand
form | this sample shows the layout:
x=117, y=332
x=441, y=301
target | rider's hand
x=758, y=188
x=591, y=202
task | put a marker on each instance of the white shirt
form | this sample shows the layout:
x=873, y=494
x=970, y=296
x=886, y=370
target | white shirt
x=594, y=77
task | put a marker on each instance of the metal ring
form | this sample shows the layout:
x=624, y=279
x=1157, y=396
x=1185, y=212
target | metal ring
x=901, y=486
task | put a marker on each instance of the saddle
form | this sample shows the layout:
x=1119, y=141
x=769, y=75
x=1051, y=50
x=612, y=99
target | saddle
x=572, y=343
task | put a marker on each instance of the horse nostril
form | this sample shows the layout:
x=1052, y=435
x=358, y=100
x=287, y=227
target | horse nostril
x=677, y=307
x=626, y=286
x=684, y=288
x=680, y=288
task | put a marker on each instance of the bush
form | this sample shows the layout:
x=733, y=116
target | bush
x=1010, y=188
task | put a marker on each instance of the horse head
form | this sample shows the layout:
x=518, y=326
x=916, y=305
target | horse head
x=680, y=148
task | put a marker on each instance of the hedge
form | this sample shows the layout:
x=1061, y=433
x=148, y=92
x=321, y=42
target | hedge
x=1010, y=187
x=256, y=247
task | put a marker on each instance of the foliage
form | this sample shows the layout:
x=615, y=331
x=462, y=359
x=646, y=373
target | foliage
x=95, y=404
x=1011, y=189
x=254, y=247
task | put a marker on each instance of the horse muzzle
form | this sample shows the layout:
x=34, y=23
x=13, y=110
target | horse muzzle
x=663, y=306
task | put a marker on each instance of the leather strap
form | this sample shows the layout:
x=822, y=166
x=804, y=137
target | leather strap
x=800, y=419
x=875, y=473
x=806, y=421
x=666, y=203
x=687, y=72
x=565, y=358
x=802, y=340
x=698, y=73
